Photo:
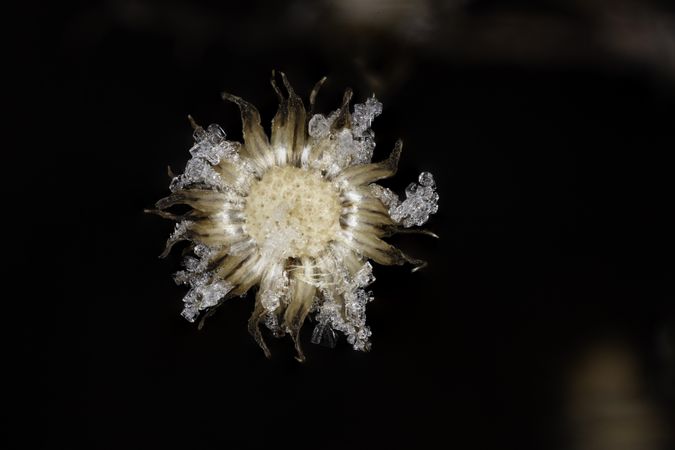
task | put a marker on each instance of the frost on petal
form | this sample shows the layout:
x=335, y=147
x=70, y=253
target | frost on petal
x=210, y=144
x=200, y=263
x=364, y=114
x=209, y=149
x=198, y=172
x=271, y=321
x=319, y=126
x=180, y=233
x=330, y=318
x=203, y=294
x=426, y=179
x=205, y=291
x=348, y=146
x=421, y=201
x=364, y=137
x=213, y=292
x=388, y=197
x=274, y=290
x=364, y=277
x=345, y=312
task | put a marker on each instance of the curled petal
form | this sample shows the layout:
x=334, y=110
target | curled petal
x=373, y=248
x=312, y=96
x=256, y=146
x=344, y=118
x=360, y=175
x=203, y=200
x=289, y=129
x=254, y=327
x=301, y=299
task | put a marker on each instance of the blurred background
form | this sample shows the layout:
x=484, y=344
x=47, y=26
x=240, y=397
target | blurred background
x=546, y=317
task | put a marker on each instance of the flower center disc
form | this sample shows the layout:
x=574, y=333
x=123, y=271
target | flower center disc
x=292, y=212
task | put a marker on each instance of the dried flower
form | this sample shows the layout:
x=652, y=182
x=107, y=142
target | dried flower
x=298, y=215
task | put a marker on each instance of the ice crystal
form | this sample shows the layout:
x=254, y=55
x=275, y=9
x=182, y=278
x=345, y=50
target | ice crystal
x=298, y=215
x=272, y=294
x=388, y=197
x=364, y=114
x=421, y=201
x=353, y=321
x=212, y=146
x=203, y=294
x=353, y=146
x=209, y=149
x=319, y=126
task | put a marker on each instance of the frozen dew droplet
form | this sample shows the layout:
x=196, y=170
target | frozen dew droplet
x=411, y=190
x=426, y=179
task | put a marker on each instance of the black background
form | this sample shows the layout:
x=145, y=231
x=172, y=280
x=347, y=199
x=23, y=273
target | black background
x=550, y=143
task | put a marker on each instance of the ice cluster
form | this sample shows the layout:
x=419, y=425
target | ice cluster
x=346, y=314
x=204, y=292
x=353, y=146
x=209, y=149
x=421, y=201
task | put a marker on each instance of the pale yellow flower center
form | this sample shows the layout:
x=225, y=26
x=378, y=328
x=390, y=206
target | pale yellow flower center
x=292, y=211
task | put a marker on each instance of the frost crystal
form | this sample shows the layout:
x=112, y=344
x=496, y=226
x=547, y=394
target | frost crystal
x=364, y=114
x=203, y=294
x=319, y=126
x=386, y=196
x=353, y=146
x=421, y=201
x=353, y=321
x=209, y=149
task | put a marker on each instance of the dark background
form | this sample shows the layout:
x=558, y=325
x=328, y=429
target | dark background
x=546, y=317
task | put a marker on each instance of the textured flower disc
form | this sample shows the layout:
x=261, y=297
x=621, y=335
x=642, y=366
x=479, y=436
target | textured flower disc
x=298, y=216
